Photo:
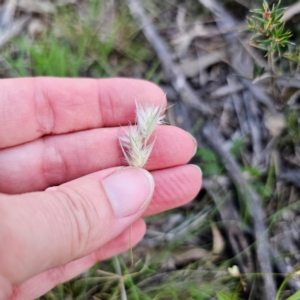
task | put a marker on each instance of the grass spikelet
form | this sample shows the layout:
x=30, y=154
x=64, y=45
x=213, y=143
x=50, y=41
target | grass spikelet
x=134, y=142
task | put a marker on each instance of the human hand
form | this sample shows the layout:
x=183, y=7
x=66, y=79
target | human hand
x=63, y=134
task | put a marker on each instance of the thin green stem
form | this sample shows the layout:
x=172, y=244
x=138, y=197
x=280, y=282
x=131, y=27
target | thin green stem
x=121, y=281
x=286, y=279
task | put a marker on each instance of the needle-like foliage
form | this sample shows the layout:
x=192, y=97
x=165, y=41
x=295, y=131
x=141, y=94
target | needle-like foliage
x=269, y=31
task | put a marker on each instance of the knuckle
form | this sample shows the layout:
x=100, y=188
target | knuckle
x=54, y=167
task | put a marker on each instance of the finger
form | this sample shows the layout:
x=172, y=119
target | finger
x=54, y=160
x=41, y=283
x=33, y=107
x=44, y=230
x=174, y=187
x=185, y=187
x=39, y=221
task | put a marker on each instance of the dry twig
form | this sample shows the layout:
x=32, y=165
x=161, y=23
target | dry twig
x=253, y=202
x=171, y=70
x=232, y=223
x=254, y=126
x=13, y=30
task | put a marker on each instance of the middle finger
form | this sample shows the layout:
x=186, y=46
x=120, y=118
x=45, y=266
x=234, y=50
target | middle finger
x=53, y=160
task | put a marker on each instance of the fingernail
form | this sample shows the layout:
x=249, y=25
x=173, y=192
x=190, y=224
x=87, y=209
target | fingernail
x=198, y=169
x=195, y=144
x=128, y=190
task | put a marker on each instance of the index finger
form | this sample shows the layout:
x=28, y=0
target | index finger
x=33, y=107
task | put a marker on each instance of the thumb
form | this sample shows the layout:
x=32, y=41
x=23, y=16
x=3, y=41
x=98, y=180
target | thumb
x=44, y=230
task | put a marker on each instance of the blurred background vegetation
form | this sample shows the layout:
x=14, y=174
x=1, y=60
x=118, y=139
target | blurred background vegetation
x=244, y=117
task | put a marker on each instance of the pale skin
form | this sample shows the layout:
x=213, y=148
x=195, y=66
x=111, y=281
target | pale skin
x=63, y=133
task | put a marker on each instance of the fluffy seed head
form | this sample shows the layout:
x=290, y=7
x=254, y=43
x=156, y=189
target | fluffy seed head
x=133, y=143
x=147, y=118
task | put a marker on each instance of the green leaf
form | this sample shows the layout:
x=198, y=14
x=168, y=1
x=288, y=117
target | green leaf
x=251, y=22
x=263, y=190
x=296, y=296
x=259, y=19
x=237, y=146
x=222, y=296
x=256, y=35
x=257, y=11
x=280, y=29
x=275, y=8
x=279, y=10
x=267, y=41
x=254, y=172
x=292, y=56
x=265, y=5
x=210, y=163
x=257, y=70
x=211, y=169
x=259, y=46
x=278, y=18
x=207, y=154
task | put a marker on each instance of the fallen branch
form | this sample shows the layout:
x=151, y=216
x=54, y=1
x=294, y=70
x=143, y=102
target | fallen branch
x=253, y=202
x=171, y=70
x=232, y=222
x=252, y=112
x=290, y=12
x=9, y=33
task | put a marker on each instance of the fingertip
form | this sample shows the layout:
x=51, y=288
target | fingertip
x=195, y=144
x=174, y=187
x=173, y=146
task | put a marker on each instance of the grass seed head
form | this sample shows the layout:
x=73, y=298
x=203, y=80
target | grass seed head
x=134, y=142
x=147, y=118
